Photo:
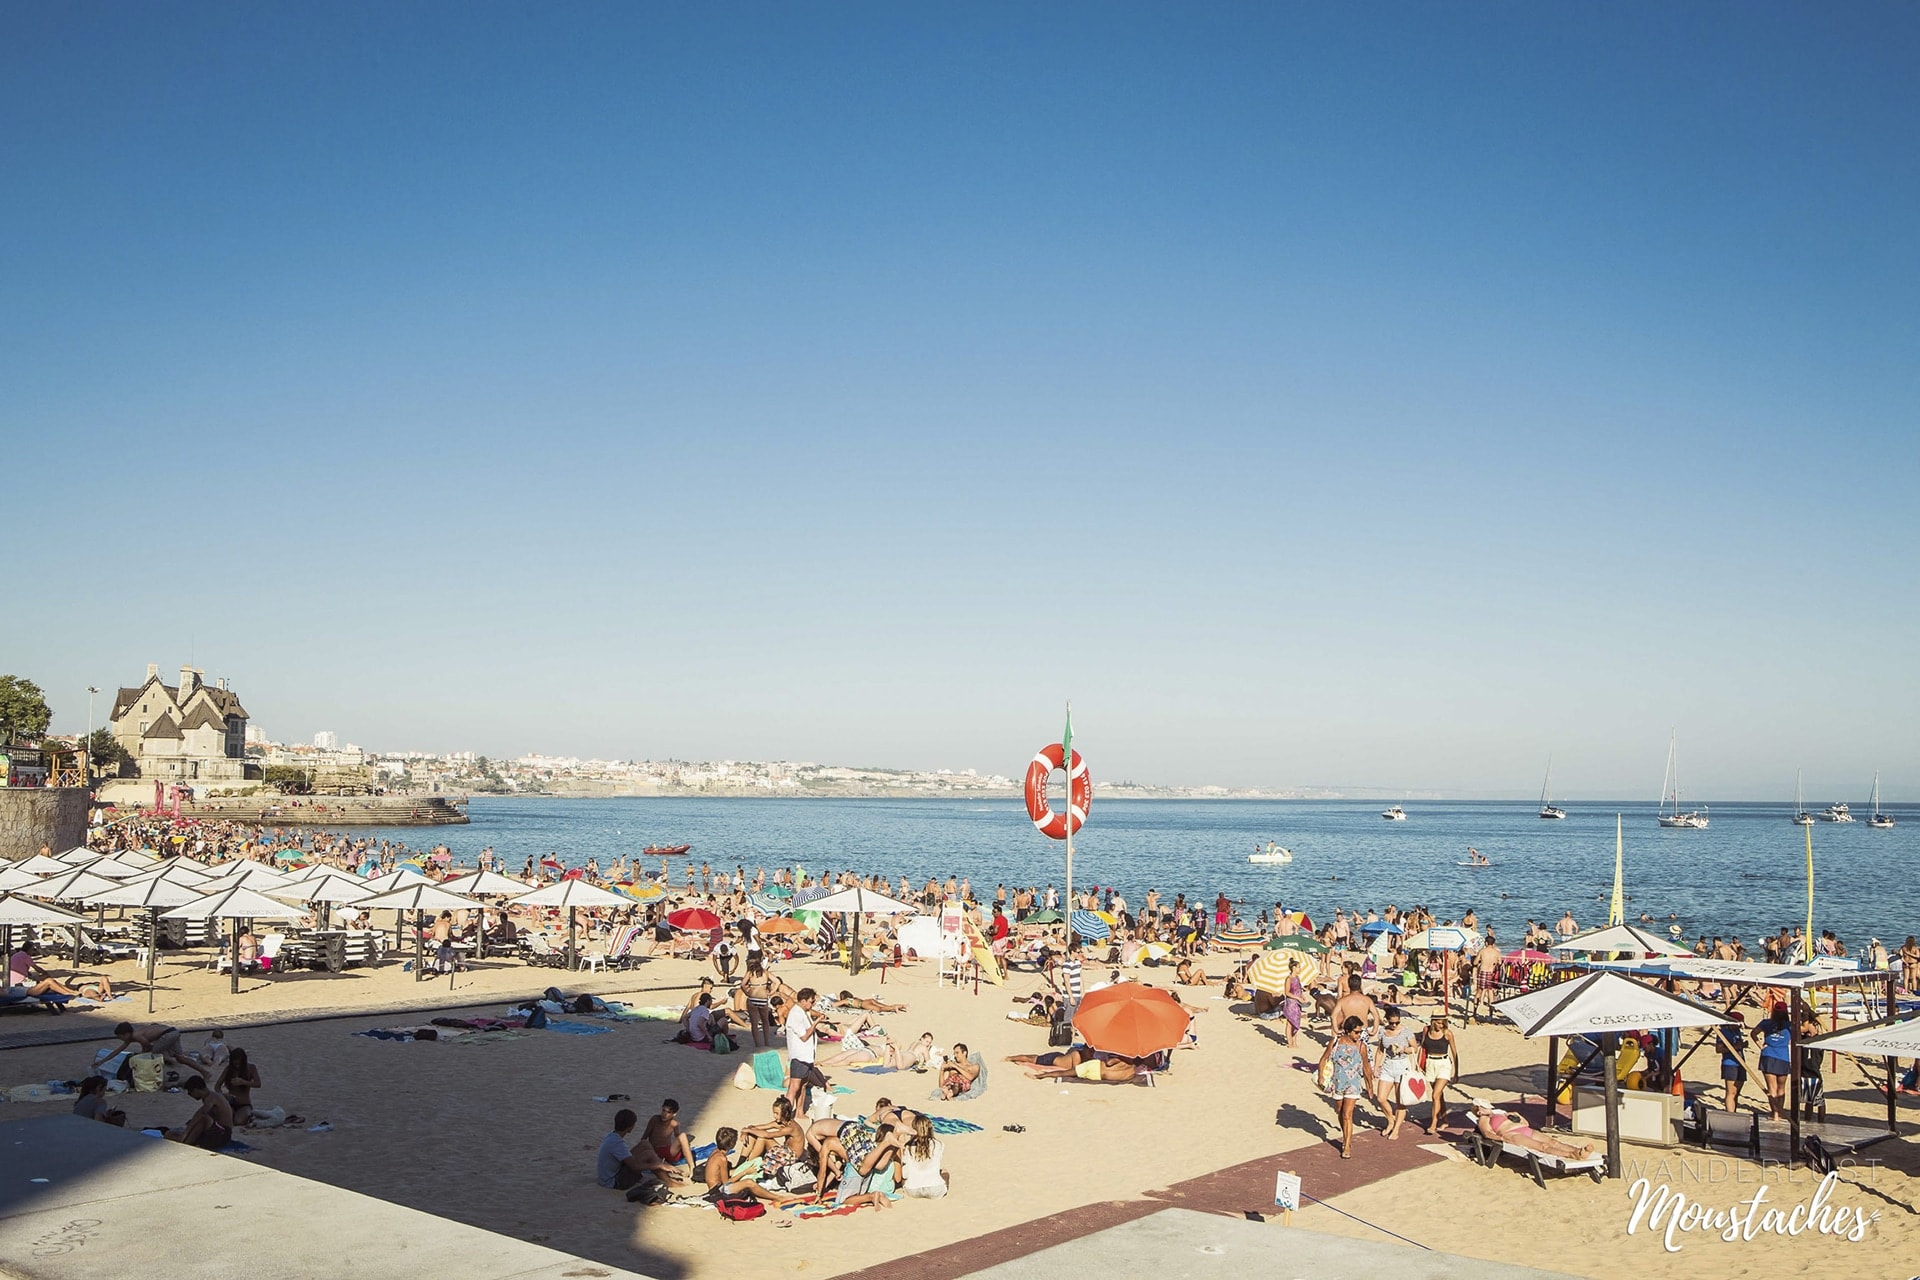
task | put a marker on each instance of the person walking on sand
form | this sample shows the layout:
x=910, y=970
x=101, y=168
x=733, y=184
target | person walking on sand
x=803, y=1041
x=1439, y=1058
x=1345, y=1068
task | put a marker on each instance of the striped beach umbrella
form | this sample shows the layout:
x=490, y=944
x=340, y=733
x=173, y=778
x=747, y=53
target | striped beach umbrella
x=1089, y=925
x=1299, y=942
x=1239, y=938
x=1268, y=972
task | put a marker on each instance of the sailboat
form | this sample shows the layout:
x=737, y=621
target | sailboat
x=1879, y=821
x=1547, y=808
x=1670, y=788
x=1801, y=818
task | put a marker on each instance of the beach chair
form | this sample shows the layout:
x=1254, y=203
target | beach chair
x=33, y=1004
x=540, y=953
x=1736, y=1130
x=1487, y=1152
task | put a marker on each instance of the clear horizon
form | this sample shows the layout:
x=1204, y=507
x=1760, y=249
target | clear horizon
x=1408, y=394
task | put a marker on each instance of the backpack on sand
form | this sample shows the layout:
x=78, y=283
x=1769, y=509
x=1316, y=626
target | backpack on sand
x=740, y=1208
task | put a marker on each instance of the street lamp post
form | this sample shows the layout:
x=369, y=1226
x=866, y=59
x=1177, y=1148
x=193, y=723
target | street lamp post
x=86, y=746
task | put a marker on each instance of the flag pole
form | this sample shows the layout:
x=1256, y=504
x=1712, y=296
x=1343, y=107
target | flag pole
x=1067, y=753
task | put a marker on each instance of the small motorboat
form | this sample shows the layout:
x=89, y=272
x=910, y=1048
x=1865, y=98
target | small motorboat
x=1272, y=855
x=665, y=850
x=1394, y=814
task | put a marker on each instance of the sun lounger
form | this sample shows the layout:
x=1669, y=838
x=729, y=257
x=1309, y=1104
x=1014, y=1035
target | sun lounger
x=1487, y=1152
x=33, y=1004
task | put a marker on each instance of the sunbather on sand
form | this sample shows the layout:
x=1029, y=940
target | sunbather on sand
x=959, y=1073
x=1080, y=1063
x=848, y=1000
x=1509, y=1127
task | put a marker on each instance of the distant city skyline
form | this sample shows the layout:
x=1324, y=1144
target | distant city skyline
x=1379, y=398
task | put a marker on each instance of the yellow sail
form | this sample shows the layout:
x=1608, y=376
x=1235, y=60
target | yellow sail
x=1617, y=912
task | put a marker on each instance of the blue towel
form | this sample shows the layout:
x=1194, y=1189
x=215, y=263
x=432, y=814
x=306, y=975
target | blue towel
x=701, y=1153
x=944, y=1125
x=235, y=1148
x=577, y=1028
x=876, y=1071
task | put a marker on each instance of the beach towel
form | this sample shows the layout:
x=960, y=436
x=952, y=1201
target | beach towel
x=235, y=1148
x=978, y=1087
x=947, y=1127
x=576, y=1028
x=767, y=1071
x=876, y=1071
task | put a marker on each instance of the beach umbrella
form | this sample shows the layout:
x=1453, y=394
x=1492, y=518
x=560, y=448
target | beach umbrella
x=1620, y=938
x=404, y=873
x=1239, y=938
x=417, y=894
x=236, y=903
x=573, y=894
x=1268, y=972
x=1048, y=916
x=1155, y=951
x=1380, y=926
x=1601, y=1005
x=1088, y=925
x=41, y=865
x=175, y=871
x=76, y=885
x=856, y=902
x=1898, y=1039
x=253, y=875
x=14, y=878
x=484, y=884
x=693, y=918
x=152, y=895
x=779, y=891
x=1131, y=1019
x=1305, y=942
x=78, y=854
x=778, y=925
x=25, y=911
x=649, y=891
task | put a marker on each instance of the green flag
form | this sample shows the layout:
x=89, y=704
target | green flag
x=1066, y=742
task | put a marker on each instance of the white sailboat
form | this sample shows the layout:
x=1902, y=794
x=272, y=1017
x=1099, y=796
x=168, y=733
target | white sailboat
x=1547, y=808
x=1879, y=821
x=1801, y=818
x=1670, y=788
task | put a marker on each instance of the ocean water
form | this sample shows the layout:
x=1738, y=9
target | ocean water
x=1744, y=875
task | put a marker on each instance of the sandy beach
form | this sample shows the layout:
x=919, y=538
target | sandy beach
x=501, y=1134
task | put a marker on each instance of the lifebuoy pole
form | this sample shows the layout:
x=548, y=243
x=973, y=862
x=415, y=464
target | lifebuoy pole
x=1066, y=755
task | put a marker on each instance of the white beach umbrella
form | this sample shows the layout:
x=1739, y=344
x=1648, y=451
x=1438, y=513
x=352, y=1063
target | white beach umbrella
x=488, y=884
x=417, y=894
x=16, y=910
x=1894, y=1040
x=1620, y=938
x=235, y=903
x=1601, y=1004
x=858, y=902
x=175, y=871
x=109, y=867
x=326, y=871
x=41, y=865
x=76, y=885
x=153, y=895
x=253, y=875
x=399, y=875
x=571, y=894
x=14, y=878
x=79, y=853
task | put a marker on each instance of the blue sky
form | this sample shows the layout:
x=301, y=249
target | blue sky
x=1315, y=395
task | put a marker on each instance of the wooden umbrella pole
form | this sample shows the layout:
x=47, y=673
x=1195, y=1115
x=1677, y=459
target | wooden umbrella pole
x=1610, y=1046
x=153, y=945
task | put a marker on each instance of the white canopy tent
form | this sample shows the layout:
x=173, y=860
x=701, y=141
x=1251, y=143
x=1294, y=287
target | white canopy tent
x=485, y=884
x=1601, y=1005
x=1887, y=1040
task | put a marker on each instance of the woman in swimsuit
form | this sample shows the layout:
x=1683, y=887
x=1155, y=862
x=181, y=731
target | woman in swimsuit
x=1348, y=1067
x=238, y=1079
x=1505, y=1126
x=1439, y=1063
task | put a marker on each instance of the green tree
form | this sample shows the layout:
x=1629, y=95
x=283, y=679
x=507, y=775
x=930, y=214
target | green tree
x=106, y=752
x=23, y=709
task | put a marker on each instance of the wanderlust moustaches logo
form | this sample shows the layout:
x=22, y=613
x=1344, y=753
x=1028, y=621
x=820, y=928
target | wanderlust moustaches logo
x=1660, y=1208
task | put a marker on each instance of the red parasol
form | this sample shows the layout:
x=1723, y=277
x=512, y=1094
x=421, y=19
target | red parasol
x=1132, y=1020
x=693, y=918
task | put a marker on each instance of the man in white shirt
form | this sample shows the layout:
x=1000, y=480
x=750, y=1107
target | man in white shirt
x=802, y=1043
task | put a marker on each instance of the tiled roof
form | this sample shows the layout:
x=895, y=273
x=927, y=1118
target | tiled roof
x=164, y=727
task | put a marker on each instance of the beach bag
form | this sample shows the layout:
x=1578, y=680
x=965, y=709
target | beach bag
x=739, y=1208
x=583, y=1004
x=148, y=1071
x=537, y=1019
x=743, y=1076
x=1412, y=1089
x=721, y=1045
x=1060, y=1035
x=553, y=994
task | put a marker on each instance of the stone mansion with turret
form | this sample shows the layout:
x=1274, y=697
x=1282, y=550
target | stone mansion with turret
x=192, y=732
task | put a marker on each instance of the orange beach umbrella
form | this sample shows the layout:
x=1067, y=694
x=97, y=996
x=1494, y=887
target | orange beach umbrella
x=1132, y=1020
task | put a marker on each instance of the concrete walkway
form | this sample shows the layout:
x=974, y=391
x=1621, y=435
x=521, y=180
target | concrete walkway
x=1180, y=1244
x=81, y=1200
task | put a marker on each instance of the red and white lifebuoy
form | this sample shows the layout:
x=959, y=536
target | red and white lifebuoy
x=1079, y=792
